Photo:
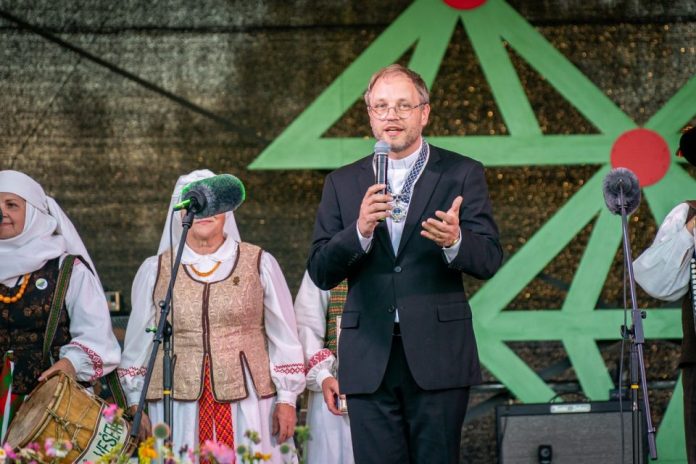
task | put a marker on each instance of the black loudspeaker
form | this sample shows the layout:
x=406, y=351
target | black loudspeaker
x=567, y=433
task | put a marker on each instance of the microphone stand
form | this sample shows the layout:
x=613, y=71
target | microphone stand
x=637, y=336
x=164, y=332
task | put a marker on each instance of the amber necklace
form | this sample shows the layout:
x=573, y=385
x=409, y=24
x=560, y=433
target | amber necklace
x=20, y=293
x=207, y=273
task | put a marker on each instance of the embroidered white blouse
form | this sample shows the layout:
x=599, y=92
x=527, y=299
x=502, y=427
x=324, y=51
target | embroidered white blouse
x=663, y=269
x=311, y=305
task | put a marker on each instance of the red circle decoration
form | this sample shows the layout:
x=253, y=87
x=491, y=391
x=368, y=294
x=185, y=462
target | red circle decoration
x=464, y=4
x=644, y=152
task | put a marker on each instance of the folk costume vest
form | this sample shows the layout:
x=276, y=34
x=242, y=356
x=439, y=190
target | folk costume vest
x=688, y=351
x=23, y=327
x=221, y=320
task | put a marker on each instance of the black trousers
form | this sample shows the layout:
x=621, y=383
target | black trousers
x=403, y=424
x=689, y=385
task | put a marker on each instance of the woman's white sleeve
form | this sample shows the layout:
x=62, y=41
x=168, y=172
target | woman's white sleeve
x=138, y=342
x=663, y=269
x=93, y=349
x=284, y=349
x=311, y=305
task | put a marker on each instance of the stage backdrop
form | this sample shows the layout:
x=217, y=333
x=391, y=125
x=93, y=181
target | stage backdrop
x=107, y=103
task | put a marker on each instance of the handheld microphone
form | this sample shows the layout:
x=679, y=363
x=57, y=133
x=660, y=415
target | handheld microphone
x=621, y=182
x=211, y=196
x=381, y=150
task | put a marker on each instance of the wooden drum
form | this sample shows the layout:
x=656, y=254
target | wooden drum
x=60, y=408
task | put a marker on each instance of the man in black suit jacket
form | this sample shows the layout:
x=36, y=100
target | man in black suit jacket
x=407, y=352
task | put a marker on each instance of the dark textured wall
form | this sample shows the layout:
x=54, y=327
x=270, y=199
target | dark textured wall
x=110, y=150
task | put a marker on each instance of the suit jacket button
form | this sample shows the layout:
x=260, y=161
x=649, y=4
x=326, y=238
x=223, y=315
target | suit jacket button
x=397, y=269
x=391, y=309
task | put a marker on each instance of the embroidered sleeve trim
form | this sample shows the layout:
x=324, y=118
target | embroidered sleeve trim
x=132, y=371
x=318, y=357
x=97, y=363
x=295, y=368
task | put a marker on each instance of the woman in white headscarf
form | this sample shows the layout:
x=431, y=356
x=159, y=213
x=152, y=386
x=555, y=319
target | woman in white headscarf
x=238, y=362
x=35, y=238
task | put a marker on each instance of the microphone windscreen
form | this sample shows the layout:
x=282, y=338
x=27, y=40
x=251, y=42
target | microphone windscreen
x=223, y=193
x=381, y=151
x=618, y=181
x=381, y=147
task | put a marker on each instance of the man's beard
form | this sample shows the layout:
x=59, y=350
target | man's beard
x=411, y=138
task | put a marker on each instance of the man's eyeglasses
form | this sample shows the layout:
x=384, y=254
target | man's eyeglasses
x=402, y=110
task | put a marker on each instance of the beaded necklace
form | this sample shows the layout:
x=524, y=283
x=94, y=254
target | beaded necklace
x=207, y=273
x=20, y=293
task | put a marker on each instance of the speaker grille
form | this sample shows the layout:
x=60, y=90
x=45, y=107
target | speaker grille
x=574, y=437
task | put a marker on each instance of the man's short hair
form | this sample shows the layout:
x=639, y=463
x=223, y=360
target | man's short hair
x=398, y=69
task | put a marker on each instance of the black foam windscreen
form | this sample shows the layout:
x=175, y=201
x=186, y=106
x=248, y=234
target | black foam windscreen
x=222, y=193
x=621, y=184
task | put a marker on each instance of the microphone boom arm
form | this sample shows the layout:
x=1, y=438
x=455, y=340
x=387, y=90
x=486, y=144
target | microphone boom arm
x=163, y=333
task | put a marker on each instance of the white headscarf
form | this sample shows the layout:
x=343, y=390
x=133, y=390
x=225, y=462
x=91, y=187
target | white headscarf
x=230, y=229
x=47, y=234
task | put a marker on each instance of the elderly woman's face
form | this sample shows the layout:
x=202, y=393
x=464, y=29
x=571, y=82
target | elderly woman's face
x=13, y=215
x=208, y=229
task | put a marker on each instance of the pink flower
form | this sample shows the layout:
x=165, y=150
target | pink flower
x=110, y=412
x=33, y=446
x=9, y=452
x=222, y=453
x=57, y=449
x=48, y=446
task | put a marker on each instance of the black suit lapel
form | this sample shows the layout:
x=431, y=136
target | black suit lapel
x=422, y=192
x=365, y=180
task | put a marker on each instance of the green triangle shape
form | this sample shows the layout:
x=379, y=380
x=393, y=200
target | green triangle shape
x=425, y=23
x=428, y=26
